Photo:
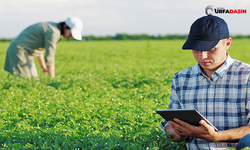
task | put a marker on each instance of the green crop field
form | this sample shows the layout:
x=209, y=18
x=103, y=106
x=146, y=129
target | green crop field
x=104, y=96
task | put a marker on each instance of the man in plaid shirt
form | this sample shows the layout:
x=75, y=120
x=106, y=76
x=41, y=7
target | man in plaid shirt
x=218, y=87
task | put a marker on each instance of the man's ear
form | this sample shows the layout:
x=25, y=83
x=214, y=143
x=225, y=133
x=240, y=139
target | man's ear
x=228, y=43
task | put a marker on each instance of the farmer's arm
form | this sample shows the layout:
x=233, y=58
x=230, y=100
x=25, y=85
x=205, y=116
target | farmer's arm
x=51, y=70
x=42, y=63
x=207, y=132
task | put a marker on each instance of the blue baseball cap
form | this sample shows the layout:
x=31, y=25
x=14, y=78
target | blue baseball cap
x=205, y=33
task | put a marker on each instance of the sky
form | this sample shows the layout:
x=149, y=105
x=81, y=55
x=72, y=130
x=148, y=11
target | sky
x=110, y=17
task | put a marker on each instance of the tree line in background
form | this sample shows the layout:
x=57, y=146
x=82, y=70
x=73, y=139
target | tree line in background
x=136, y=37
x=147, y=37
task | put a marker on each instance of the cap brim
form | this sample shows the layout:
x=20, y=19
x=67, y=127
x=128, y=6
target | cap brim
x=199, y=45
x=76, y=34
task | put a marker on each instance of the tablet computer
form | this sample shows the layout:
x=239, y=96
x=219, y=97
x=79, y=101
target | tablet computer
x=191, y=116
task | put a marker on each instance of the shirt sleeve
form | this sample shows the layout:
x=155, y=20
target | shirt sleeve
x=51, y=39
x=173, y=104
x=248, y=103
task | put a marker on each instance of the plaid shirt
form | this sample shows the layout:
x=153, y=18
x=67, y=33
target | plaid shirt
x=225, y=102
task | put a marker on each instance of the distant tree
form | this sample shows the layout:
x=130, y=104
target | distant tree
x=108, y=38
x=5, y=40
x=134, y=37
x=89, y=38
x=160, y=37
x=152, y=37
x=121, y=37
x=183, y=36
x=144, y=37
x=240, y=37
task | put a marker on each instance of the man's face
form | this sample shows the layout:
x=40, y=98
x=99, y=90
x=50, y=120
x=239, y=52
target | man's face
x=67, y=32
x=211, y=60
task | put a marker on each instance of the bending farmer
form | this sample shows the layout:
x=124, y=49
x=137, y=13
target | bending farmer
x=35, y=40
